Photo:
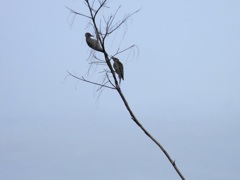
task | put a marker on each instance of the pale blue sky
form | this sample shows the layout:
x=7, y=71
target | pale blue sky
x=183, y=85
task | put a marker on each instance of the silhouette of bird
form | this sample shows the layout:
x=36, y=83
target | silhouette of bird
x=118, y=66
x=93, y=43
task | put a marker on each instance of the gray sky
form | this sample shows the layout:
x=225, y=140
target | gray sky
x=183, y=85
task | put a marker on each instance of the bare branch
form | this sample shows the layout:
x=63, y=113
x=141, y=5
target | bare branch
x=119, y=52
x=110, y=81
x=102, y=4
x=83, y=79
x=148, y=134
x=72, y=11
x=111, y=19
x=122, y=22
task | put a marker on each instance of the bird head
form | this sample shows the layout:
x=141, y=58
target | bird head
x=88, y=35
x=115, y=59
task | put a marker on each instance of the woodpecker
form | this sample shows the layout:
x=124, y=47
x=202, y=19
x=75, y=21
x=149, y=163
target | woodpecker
x=118, y=66
x=93, y=43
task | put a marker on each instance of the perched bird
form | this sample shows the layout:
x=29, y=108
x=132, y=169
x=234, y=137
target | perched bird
x=118, y=66
x=93, y=43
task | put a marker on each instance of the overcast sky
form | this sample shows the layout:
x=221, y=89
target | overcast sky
x=182, y=82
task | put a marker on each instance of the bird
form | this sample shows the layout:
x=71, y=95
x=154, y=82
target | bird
x=118, y=66
x=93, y=43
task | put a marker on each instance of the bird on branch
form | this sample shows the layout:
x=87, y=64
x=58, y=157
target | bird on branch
x=93, y=43
x=118, y=66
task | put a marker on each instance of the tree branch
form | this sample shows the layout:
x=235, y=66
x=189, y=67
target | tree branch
x=110, y=28
x=147, y=133
x=72, y=11
x=98, y=84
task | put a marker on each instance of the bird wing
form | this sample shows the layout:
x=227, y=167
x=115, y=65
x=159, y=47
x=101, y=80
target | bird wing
x=93, y=43
x=121, y=70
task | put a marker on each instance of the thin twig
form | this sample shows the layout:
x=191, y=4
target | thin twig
x=83, y=79
x=110, y=80
x=119, y=52
x=101, y=5
x=123, y=21
x=78, y=13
